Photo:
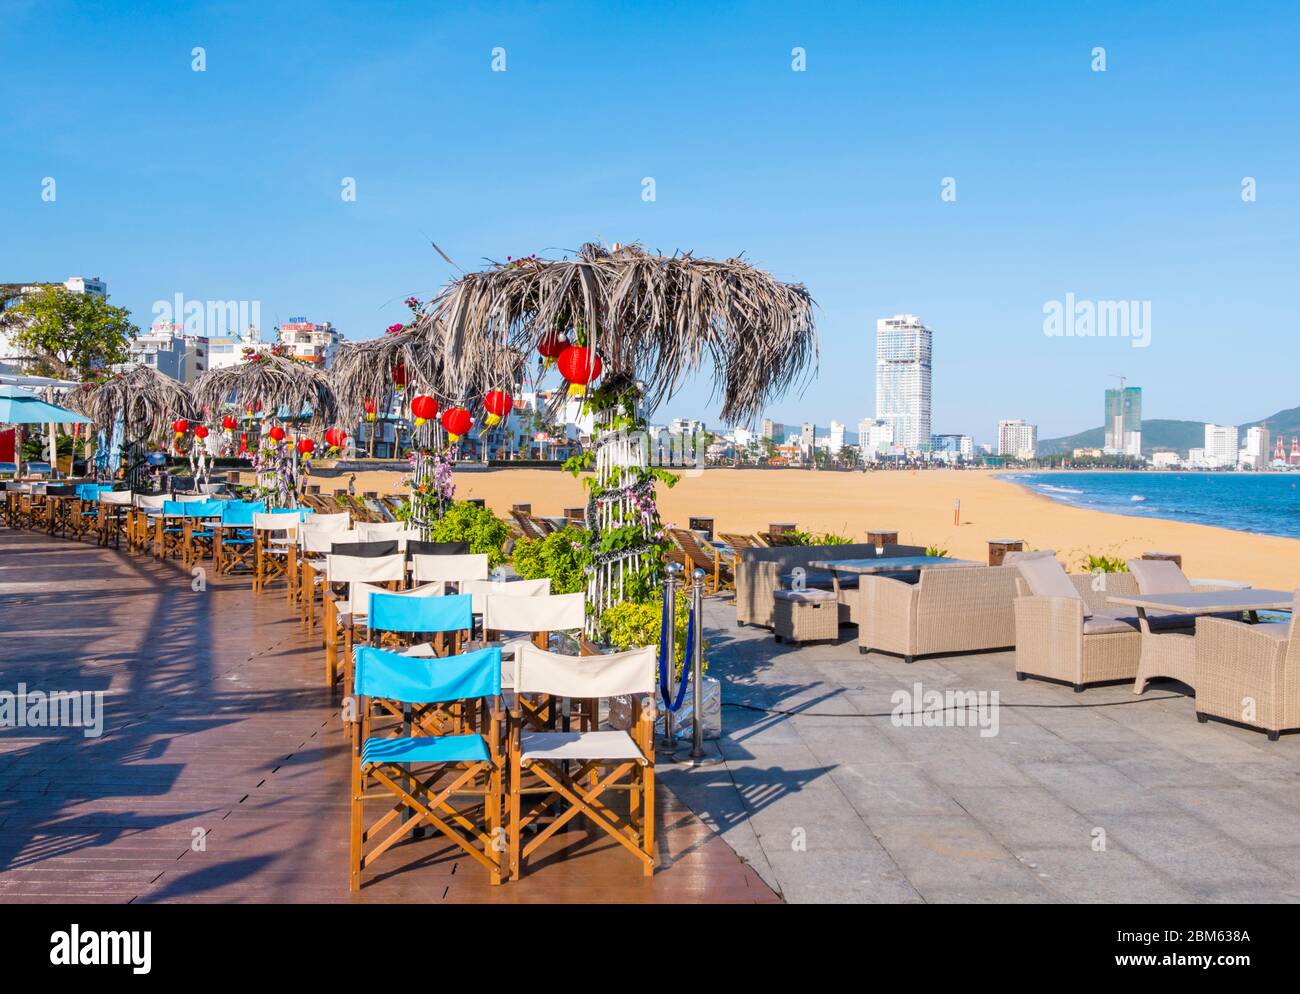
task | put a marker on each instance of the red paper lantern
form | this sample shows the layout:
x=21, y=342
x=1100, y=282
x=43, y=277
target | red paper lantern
x=277, y=434
x=424, y=409
x=370, y=409
x=200, y=431
x=306, y=446
x=180, y=426
x=399, y=376
x=580, y=366
x=498, y=404
x=229, y=423
x=457, y=422
x=335, y=437
x=552, y=344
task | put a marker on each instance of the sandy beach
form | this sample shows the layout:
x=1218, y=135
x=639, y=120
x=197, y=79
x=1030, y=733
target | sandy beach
x=918, y=505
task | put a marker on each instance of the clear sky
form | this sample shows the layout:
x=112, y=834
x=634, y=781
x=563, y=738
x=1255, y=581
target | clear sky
x=1125, y=184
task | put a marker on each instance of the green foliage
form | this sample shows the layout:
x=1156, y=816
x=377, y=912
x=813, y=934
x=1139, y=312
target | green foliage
x=466, y=522
x=934, y=550
x=68, y=334
x=1103, y=564
x=630, y=625
x=562, y=555
x=813, y=538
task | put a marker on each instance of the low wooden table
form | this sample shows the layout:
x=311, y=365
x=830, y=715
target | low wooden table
x=1173, y=654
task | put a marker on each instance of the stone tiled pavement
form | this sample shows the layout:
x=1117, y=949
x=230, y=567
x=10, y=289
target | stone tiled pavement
x=852, y=807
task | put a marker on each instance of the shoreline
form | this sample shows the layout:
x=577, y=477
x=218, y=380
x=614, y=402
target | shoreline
x=918, y=504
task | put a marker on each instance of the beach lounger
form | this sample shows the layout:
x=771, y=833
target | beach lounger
x=699, y=556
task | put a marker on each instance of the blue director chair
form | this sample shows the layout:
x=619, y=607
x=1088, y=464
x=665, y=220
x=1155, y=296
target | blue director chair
x=426, y=779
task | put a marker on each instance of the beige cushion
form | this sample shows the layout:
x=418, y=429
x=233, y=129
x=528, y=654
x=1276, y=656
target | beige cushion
x=1159, y=576
x=578, y=745
x=1105, y=624
x=1011, y=558
x=1047, y=578
x=810, y=596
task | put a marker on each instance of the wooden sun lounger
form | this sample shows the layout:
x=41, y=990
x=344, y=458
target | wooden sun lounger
x=700, y=557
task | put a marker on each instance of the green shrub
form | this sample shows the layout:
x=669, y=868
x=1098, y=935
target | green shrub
x=1103, y=564
x=813, y=538
x=934, y=550
x=630, y=626
x=562, y=555
x=466, y=522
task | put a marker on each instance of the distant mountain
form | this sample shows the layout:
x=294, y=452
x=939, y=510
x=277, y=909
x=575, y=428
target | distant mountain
x=1163, y=434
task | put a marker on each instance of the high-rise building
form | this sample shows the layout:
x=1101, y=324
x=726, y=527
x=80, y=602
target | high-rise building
x=903, y=353
x=1221, y=445
x=1254, y=451
x=1123, y=421
x=836, y=438
x=769, y=428
x=1017, y=438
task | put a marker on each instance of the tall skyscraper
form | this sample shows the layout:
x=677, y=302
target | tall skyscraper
x=1124, y=420
x=903, y=353
x=807, y=439
x=769, y=428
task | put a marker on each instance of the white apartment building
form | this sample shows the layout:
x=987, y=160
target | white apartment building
x=1221, y=445
x=304, y=339
x=836, y=441
x=1254, y=452
x=167, y=348
x=904, y=348
x=875, y=438
x=1017, y=438
x=807, y=437
x=1165, y=460
x=769, y=428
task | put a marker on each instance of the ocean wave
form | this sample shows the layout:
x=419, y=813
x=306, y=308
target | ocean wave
x=1059, y=490
x=1137, y=497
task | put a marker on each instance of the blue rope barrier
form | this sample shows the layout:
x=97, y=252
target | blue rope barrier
x=666, y=664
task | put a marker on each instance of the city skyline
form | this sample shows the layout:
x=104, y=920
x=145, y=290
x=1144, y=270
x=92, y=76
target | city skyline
x=1044, y=213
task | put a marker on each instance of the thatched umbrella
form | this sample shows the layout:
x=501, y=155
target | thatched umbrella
x=146, y=400
x=276, y=388
x=271, y=383
x=653, y=319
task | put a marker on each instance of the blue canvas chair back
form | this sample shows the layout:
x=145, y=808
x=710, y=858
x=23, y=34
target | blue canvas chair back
x=90, y=491
x=241, y=513
x=40, y=468
x=9, y=467
x=203, y=509
x=395, y=677
x=395, y=613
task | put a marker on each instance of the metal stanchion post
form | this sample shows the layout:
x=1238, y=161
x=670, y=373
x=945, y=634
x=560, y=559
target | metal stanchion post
x=697, y=664
x=671, y=573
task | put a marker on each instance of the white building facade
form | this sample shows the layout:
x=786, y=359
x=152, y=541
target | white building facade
x=904, y=349
x=1221, y=445
x=1017, y=438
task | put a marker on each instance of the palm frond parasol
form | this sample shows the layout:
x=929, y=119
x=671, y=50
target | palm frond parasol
x=652, y=318
x=146, y=400
x=273, y=384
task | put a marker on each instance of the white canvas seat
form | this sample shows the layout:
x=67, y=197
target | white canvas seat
x=562, y=774
x=339, y=614
x=375, y=531
x=539, y=613
x=449, y=569
x=120, y=498
x=481, y=590
x=565, y=746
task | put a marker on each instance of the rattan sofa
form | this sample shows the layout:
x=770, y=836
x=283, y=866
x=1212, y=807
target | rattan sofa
x=953, y=609
x=1249, y=674
x=759, y=573
x=1055, y=641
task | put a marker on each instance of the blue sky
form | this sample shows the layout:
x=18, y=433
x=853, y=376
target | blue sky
x=225, y=184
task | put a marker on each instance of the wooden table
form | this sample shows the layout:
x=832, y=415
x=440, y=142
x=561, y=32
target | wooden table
x=1173, y=654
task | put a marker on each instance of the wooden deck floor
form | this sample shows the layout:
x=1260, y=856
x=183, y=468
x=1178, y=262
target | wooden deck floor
x=217, y=727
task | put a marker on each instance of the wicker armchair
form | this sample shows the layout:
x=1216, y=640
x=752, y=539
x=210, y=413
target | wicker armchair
x=758, y=575
x=1249, y=674
x=954, y=609
x=1077, y=640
